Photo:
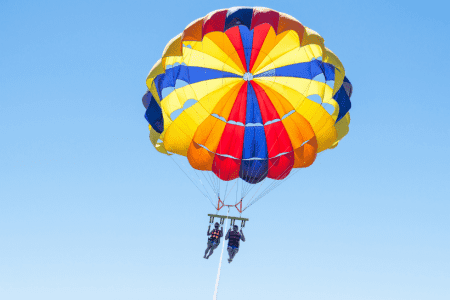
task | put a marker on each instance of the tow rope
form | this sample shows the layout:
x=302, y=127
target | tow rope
x=220, y=263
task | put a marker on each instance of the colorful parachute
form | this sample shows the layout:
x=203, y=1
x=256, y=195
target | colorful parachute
x=247, y=93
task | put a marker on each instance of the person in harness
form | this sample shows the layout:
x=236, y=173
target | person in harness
x=213, y=240
x=234, y=237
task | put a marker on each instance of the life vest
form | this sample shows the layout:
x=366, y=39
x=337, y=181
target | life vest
x=233, y=239
x=215, y=235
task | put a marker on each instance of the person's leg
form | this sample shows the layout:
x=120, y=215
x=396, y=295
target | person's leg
x=207, y=249
x=212, y=250
x=235, y=250
x=230, y=253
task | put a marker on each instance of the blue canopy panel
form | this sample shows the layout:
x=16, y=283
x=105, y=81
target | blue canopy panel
x=153, y=114
x=254, y=166
x=343, y=99
x=348, y=87
x=247, y=42
x=328, y=71
x=188, y=74
x=307, y=70
x=254, y=171
x=253, y=113
x=238, y=16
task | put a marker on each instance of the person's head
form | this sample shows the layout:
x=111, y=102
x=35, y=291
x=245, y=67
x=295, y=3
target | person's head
x=235, y=228
x=216, y=225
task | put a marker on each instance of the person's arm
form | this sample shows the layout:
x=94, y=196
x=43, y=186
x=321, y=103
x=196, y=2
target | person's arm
x=209, y=228
x=221, y=232
x=228, y=234
x=242, y=236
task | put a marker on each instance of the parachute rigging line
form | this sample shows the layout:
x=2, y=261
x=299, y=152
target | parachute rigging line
x=267, y=190
x=206, y=195
x=210, y=181
x=271, y=187
x=255, y=198
x=237, y=189
x=232, y=187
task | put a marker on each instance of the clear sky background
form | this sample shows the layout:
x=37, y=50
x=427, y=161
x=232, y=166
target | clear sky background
x=90, y=210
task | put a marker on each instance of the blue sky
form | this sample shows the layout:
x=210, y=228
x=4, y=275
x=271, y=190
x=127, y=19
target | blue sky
x=89, y=210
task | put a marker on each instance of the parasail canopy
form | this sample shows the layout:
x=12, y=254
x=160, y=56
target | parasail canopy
x=247, y=93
